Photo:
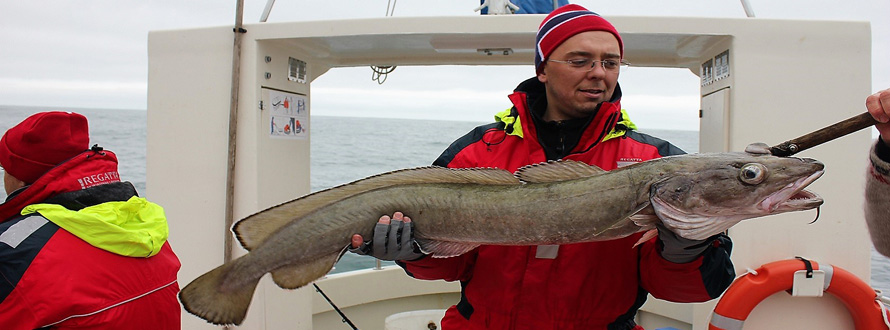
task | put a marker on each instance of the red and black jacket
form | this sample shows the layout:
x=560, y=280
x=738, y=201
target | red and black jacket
x=598, y=285
x=52, y=279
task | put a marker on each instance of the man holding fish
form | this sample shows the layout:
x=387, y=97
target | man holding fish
x=569, y=111
x=536, y=243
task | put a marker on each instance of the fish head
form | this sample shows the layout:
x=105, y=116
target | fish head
x=702, y=195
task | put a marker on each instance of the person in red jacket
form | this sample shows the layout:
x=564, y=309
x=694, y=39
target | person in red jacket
x=78, y=248
x=570, y=110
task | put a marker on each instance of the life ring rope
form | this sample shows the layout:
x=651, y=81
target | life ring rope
x=883, y=301
x=747, y=291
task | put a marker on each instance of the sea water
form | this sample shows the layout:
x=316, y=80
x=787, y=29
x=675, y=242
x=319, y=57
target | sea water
x=343, y=149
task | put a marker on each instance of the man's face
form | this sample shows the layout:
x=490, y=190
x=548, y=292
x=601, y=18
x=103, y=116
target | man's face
x=574, y=92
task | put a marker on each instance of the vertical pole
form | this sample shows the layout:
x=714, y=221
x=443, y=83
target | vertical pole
x=239, y=31
x=233, y=129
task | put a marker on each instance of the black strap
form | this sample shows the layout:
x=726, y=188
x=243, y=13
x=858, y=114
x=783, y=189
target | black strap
x=809, y=266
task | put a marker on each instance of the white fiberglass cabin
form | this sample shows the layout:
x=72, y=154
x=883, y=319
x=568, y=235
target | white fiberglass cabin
x=762, y=80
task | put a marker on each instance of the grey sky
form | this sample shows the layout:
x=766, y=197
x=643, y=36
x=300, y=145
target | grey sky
x=92, y=54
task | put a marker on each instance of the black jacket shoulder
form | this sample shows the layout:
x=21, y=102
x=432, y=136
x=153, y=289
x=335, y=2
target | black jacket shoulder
x=468, y=139
x=664, y=148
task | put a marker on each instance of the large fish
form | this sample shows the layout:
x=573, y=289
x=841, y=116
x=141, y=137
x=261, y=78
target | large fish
x=456, y=210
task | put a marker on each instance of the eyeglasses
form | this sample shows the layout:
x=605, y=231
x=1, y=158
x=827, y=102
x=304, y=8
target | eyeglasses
x=587, y=64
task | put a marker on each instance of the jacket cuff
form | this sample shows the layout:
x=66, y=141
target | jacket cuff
x=882, y=150
x=879, y=155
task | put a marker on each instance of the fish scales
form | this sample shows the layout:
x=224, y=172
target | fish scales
x=480, y=214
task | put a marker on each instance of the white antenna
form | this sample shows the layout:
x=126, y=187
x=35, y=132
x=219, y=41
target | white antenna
x=748, y=10
x=390, y=11
x=266, y=11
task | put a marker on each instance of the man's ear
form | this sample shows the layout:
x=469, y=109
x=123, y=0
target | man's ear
x=542, y=76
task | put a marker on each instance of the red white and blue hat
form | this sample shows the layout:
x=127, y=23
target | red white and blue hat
x=562, y=24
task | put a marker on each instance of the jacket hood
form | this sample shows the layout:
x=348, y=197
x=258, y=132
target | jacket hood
x=133, y=228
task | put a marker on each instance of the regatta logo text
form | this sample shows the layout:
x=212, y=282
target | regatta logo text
x=97, y=179
x=624, y=161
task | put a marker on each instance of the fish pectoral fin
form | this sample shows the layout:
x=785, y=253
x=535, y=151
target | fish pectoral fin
x=644, y=216
x=293, y=277
x=649, y=234
x=691, y=225
x=206, y=298
x=445, y=249
x=555, y=171
x=644, y=220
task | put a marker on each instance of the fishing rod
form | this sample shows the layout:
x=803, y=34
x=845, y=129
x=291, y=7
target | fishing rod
x=823, y=135
x=343, y=316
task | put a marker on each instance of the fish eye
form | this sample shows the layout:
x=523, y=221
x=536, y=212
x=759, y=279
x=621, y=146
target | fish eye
x=752, y=173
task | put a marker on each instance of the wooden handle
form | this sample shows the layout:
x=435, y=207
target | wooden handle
x=821, y=136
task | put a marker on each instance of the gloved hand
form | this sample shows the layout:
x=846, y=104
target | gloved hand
x=393, y=240
x=677, y=249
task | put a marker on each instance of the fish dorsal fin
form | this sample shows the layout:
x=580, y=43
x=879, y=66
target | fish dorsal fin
x=555, y=171
x=487, y=176
x=254, y=229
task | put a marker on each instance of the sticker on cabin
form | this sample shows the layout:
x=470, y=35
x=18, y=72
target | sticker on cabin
x=290, y=115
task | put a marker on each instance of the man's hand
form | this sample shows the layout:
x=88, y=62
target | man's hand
x=678, y=249
x=878, y=105
x=393, y=240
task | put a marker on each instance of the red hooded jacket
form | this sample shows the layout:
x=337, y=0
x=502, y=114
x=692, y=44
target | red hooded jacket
x=51, y=278
x=590, y=286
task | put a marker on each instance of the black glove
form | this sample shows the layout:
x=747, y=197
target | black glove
x=394, y=241
x=677, y=249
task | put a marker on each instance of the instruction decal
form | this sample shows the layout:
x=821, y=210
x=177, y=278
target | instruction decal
x=290, y=115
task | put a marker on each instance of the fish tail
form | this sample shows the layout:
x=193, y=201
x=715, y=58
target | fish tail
x=208, y=298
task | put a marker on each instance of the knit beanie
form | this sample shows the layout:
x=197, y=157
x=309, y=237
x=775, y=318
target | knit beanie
x=562, y=24
x=42, y=141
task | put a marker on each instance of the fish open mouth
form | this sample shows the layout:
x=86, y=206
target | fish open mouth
x=793, y=197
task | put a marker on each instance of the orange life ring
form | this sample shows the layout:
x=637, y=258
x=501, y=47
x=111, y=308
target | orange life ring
x=750, y=289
